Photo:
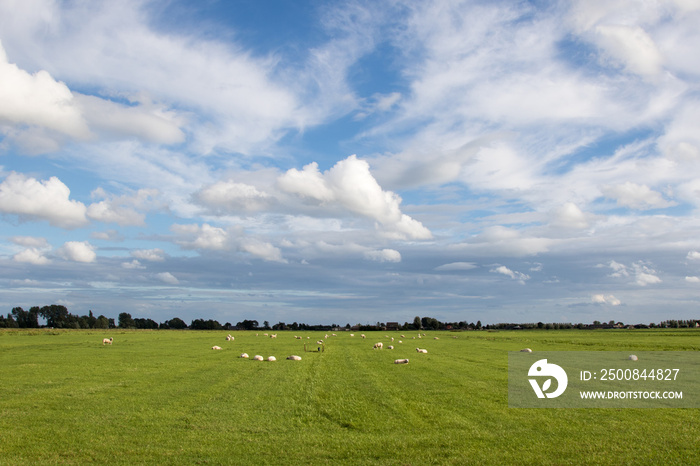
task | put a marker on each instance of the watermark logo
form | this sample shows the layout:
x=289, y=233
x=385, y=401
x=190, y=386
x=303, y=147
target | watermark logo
x=542, y=368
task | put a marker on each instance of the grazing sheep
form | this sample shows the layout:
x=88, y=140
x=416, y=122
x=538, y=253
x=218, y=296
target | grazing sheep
x=421, y=350
x=229, y=338
x=245, y=356
x=265, y=335
x=294, y=357
x=257, y=357
x=352, y=334
x=403, y=336
x=526, y=350
x=216, y=347
x=400, y=341
x=274, y=335
x=326, y=337
x=401, y=361
x=436, y=338
x=379, y=345
x=298, y=338
x=363, y=336
x=633, y=357
x=392, y=338
x=107, y=341
x=272, y=358
x=319, y=342
x=390, y=347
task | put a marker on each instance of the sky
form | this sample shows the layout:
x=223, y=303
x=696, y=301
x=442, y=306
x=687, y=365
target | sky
x=351, y=161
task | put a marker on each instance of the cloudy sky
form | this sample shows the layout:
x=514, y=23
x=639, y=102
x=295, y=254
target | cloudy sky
x=351, y=161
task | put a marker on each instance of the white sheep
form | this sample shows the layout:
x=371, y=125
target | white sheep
x=352, y=334
x=216, y=347
x=526, y=350
x=421, y=350
x=107, y=341
x=400, y=341
x=390, y=347
x=294, y=357
x=401, y=361
x=274, y=335
x=633, y=357
x=257, y=357
x=363, y=336
x=392, y=338
x=229, y=337
x=245, y=356
x=379, y=345
x=436, y=338
x=272, y=358
x=319, y=342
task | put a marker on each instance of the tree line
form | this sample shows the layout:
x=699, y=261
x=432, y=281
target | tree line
x=57, y=316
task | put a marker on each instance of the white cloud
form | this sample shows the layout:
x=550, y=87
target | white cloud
x=230, y=196
x=456, y=266
x=38, y=101
x=45, y=200
x=636, y=196
x=30, y=241
x=167, y=277
x=643, y=274
x=78, y=251
x=350, y=185
x=692, y=279
x=693, y=255
x=503, y=270
x=383, y=255
x=31, y=256
x=605, y=299
x=569, y=216
x=153, y=255
x=631, y=46
x=209, y=238
x=261, y=249
x=133, y=265
x=123, y=210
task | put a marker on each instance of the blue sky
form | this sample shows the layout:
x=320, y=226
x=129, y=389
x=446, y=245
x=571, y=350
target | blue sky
x=351, y=162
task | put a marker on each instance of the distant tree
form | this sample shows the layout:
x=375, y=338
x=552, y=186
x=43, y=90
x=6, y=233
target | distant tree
x=417, y=323
x=201, y=324
x=248, y=324
x=125, y=320
x=145, y=323
x=266, y=325
x=55, y=315
x=102, y=322
x=478, y=324
x=175, y=323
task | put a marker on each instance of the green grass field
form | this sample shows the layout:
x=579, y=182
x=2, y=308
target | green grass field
x=164, y=397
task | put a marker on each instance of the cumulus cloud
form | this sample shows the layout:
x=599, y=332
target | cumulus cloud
x=232, y=197
x=133, y=265
x=503, y=270
x=30, y=241
x=605, y=299
x=38, y=101
x=31, y=256
x=123, y=210
x=636, y=196
x=43, y=200
x=693, y=255
x=383, y=255
x=153, y=255
x=350, y=185
x=210, y=238
x=167, y=277
x=78, y=251
x=692, y=279
x=505, y=241
x=569, y=216
x=642, y=273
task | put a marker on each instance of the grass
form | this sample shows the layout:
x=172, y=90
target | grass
x=164, y=397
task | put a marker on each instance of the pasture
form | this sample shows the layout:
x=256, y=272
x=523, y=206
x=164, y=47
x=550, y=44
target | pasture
x=165, y=397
